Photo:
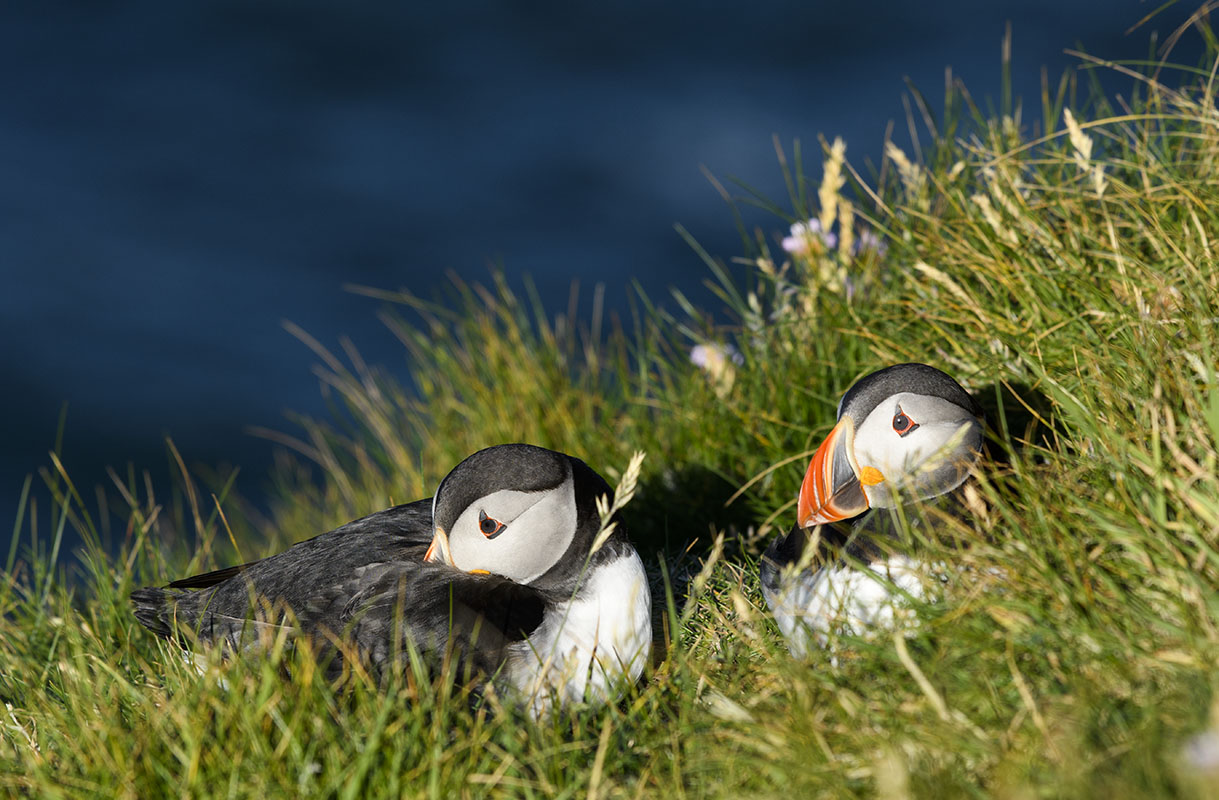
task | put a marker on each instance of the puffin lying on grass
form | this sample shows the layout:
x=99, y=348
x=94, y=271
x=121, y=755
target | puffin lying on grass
x=905, y=433
x=498, y=568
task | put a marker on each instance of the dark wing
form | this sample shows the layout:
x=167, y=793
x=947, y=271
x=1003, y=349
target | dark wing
x=834, y=541
x=439, y=609
x=291, y=583
x=364, y=584
x=381, y=612
x=783, y=550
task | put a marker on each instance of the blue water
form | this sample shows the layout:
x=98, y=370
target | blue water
x=176, y=179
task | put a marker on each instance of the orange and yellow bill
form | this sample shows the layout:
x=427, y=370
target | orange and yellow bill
x=438, y=550
x=832, y=489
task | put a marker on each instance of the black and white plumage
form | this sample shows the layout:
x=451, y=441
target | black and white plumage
x=497, y=566
x=906, y=433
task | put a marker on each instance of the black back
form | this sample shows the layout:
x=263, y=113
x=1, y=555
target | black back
x=366, y=583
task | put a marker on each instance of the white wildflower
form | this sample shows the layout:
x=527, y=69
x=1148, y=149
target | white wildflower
x=719, y=361
x=708, y=356
x=1202, y=751
x=808, y=237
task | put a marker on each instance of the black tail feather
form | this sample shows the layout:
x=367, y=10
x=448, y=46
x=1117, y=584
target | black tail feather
x=153, y=609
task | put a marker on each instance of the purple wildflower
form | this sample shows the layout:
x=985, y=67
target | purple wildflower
x=870, y=240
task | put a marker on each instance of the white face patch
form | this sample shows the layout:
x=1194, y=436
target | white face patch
x=537, y=529
x=929, y=460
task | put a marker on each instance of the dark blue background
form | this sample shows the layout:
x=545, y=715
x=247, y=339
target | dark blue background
x=179, y=177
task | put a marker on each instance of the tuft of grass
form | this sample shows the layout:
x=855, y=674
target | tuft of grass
x=1063, y=270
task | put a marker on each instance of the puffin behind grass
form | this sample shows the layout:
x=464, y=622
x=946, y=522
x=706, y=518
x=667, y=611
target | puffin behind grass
x=907, y=433
x=497, y=569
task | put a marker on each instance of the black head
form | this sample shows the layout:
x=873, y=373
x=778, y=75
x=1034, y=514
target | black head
x=913, y=378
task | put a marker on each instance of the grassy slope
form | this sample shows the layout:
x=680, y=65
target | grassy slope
x=1074, y=648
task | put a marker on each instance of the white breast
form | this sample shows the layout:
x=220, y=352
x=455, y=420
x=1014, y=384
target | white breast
x=841, y=599
x=588, y=646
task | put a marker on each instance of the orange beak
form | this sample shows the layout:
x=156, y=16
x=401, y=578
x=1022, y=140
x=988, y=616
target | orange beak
x=832, y=489
x=438, y=550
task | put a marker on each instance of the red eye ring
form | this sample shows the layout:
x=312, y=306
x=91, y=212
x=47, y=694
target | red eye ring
x=902, y=424
x=489, y=526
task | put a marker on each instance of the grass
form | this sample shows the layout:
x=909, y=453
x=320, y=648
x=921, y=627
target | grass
x=1064, y=271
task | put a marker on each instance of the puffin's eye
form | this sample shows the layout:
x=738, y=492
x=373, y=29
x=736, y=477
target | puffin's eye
x=489, y=526
x=902, y=424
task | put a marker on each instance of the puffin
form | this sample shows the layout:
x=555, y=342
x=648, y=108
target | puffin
x=905, y=435
x=498, y=571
